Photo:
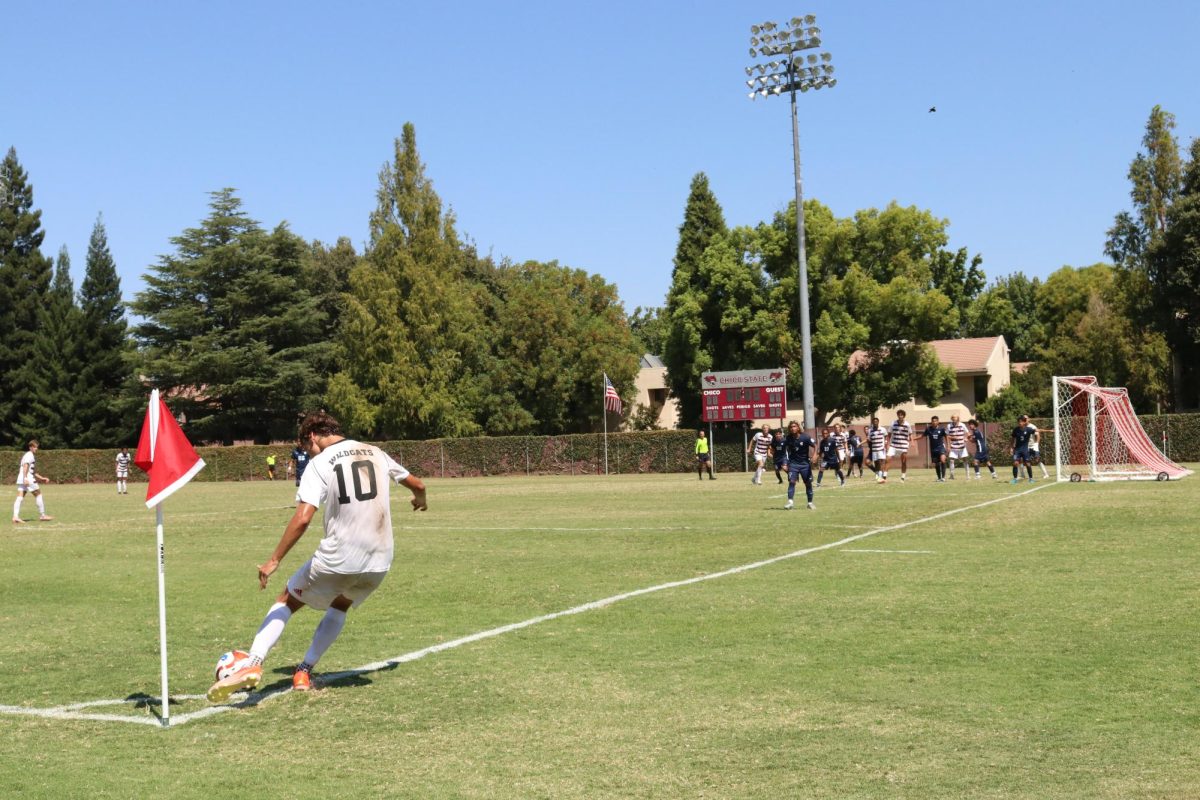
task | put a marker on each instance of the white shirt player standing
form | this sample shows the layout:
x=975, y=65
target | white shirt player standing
x=352, y=480
x=899, y=437
x=123, y=460
x=27, y=481
x=760, y=445
x=957, y=432
x=1035, y=450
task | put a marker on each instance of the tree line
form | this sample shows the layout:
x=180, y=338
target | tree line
x=419, y=336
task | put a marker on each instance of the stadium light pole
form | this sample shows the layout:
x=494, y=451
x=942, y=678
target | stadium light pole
x=793, y=70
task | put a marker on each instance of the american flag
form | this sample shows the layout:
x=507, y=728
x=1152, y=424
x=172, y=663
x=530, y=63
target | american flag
x=612, y=400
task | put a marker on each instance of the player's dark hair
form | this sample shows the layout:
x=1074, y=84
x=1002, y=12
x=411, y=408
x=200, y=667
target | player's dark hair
x=33, y=443
x=972, y=421
x=319, y=423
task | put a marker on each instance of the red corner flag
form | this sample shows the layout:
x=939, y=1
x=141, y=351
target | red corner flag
x=164, y=453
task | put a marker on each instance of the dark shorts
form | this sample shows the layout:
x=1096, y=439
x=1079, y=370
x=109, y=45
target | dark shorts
x=703, y=457
x=982, y=456
x=800, y=471
x=857, y=457
x=1021, y=454
x=831, y=463
x=936, y=454
x=781, y=463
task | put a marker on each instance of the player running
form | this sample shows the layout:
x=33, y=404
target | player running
x=778, y=454
x=1020, y=448
x=899, y=438
x=936, y=435
x=353, y=558
x=957, y=433
x=877, y=450
x=760, y=445
x=830, y=457
x=798, y=446
x=27, y=481
x=1035, y=453
x=123, y=459
x=854, y=444
x=981, y=449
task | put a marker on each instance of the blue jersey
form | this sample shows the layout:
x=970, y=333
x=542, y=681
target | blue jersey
x=300, y=458
x=936, y=435
x=1021, y=436
x=798, y=448
x=980, y=444
x=855, y=445
x=777, y=448
x=828, y=449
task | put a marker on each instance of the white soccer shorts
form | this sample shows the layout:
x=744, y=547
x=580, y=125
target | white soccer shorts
x=959, y=453
x=877, y=455
x=316, y=587
x=892, y=451
x=28, y=486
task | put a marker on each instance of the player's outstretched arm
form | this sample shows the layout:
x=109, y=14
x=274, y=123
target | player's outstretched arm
x=417, y=487
x=296, y=527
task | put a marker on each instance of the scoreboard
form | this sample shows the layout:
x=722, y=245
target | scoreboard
x=744, y=395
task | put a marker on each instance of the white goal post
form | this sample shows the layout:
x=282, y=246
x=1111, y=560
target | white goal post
x=1097, y=436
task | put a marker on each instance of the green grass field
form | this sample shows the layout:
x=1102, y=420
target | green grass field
x=1043, y=646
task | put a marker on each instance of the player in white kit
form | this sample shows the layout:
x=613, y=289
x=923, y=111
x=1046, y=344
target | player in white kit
x=27, y=481
x=352, y=480
x=957, y=433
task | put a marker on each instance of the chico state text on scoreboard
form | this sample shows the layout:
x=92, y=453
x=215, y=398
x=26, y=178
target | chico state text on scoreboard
x=743, y=395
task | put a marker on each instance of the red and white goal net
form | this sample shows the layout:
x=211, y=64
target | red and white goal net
x=1098, y=436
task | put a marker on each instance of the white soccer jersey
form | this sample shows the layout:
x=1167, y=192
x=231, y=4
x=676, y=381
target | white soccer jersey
x=123, y=460
x=876, y=439
x=901, y=433
x=956, y=432
x=761, y=443
x=1034, y=439
x=840, y=439
x=27, y=472
x=352, y=480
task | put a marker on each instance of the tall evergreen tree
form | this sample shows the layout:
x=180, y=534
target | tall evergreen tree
x=1156, y=178
x=105, y=361
x=228, y=332
x=52, y=374
x=693, y=319
x=414, y=343
x=24, y=286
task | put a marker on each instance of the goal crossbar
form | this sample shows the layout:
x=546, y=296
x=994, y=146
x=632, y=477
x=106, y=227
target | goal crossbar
x=1098, y=435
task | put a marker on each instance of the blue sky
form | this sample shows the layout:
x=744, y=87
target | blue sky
x=571, y=131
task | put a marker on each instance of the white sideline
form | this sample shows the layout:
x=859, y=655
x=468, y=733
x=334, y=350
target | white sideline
x=71, y=711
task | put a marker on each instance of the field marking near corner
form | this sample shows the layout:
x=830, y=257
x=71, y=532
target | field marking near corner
x=73, y=711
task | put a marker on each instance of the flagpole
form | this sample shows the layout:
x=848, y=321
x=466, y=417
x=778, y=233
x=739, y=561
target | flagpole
x=162, y=616
x=604, y=413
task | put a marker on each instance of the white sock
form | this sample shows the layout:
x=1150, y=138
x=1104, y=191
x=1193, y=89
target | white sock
x=327, y=631
x=41, y=504
x=270, y=630
x=17, y=508
x=1045, y=474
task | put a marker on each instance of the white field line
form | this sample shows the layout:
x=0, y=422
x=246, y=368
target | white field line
x=524, y=528
x=253, y=699
x=848, y=550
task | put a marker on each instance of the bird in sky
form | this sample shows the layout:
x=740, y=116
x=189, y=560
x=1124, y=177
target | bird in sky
x=932, y=109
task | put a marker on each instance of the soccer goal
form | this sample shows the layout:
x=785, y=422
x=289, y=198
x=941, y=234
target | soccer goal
x=1098, y=436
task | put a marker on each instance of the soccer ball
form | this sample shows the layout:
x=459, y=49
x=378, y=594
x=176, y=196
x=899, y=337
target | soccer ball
x=229, y=662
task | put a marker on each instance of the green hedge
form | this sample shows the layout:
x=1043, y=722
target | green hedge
x=579, y=454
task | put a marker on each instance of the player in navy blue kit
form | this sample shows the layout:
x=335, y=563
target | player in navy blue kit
x=856, y=453
x=1020, y=448
x=831, y=456
x=778, y=454
x=798, y=446
x=981, y=449
x=936, y=435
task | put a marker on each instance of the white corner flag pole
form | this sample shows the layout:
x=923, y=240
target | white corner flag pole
x=162, y=616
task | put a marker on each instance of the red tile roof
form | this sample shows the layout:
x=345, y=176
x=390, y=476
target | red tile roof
x=965, y=355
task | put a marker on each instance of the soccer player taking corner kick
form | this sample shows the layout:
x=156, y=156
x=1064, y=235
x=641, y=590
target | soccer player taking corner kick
x=351, y=479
